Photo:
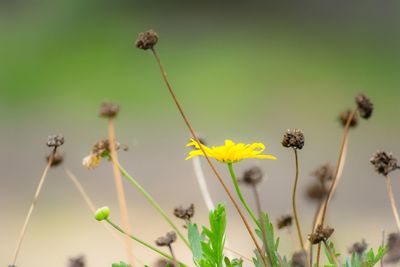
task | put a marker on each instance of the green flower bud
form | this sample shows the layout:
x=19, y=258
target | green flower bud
x=102, y=213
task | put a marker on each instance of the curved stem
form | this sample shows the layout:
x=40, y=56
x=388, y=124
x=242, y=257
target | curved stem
x=165, y=255
x=296, y=217
x=195, y=137
x=152, y=201
x=392, y=201
x=239, y=192
x=123, y=208
x=32, y=207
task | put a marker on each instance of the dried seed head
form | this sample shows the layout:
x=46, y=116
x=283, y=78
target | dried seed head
x=147, y=40
x=364, y=105
x=299, y=259
x=166, y=240
x=316, y=191
x=393, y=243
x=345, y=115
x=58, y=158
x=358, y=247
x=164, y=263
x=252, y=176
x=77, y=262
x=320, y=234
x=293, y=138
x=323, y=173
x=284, y=221
x=55, y=140
x=184, y=213
x=109, y=110
x=383, y=162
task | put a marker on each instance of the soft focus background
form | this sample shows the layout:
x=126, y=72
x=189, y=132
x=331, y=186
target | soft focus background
x=244, y=70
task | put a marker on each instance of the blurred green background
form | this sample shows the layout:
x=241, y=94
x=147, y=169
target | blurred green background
x=244, y=70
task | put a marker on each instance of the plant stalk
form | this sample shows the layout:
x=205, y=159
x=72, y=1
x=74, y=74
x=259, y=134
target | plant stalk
x=296, y=217
x=392, y=201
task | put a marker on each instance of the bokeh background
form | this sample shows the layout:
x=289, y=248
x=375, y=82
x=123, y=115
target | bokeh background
x=244, y=70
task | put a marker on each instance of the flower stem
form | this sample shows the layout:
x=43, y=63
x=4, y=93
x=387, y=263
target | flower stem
x=195, y=137
x=32, y=207
x=296, y=217
x=239, y=192
x=165, y=255
x=120, y=191
x=343, y=145
x=392, y=201
x=333, y=256
x=152, y=201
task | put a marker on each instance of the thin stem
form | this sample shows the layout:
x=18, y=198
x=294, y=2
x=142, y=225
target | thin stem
x=335, y=259
x=311, y=256
x=382, y=244
x=32, y=207
x=296, y=217
x=171, y=251
x=335, y=176
x=165, y=255
x=151, y=201
x=392, y=201
x=120, y=191
x=240, y=195
x=195, y=137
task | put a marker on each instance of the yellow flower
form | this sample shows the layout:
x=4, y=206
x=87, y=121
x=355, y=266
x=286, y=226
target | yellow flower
x=230, y=152
x=91, y=161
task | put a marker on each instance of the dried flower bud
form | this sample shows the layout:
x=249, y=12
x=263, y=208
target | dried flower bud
x=147, y=40
x=316, y=191
x=299, y=259
x=102, y=213
x=184, y=213
x=383, y=162
x=58, y=158
x=358, y=247
x=364, y=105
x=323, y=173
x=393, y=243
x=108, y=110
x=165, y=263
x=55, y=140
x=166, y=240
x=284, y=221
x=293, y=138
x=344, y=117
x=320, y=234
x=77, y=262
x=252, y=176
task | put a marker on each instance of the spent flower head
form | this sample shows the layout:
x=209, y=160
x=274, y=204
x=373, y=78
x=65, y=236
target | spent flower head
x=146, y=40
x=383, y=162
x=358, y=248
x=55, y=140
x=364, y=105
x=299, y=259
x=77, y=262
x=320, y=234
x=166, y=240
x=109, y=110
x=345, y=116
x=284, y=221
x=323, y=173
x=293, y=138
x=252, y=176
x=230, y=152
x=393, y=243
x=184, y=213
x=165, y=263
x=102, y=213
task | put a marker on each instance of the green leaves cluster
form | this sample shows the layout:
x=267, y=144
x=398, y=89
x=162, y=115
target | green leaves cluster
x=208, y=246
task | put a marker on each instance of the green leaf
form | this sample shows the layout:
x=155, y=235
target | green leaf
x=120, y=264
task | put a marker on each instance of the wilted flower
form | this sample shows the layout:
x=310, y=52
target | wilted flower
x=252, y=176
x=393, y=244
x=299, y=259
x=77, y=262
x=184, y=213
x=108, y=110
x=358, y=247
x=284, y=221
x=57, y=158
x=55, y=140
x=293, y=138
x=147, y=40
x=166, y=240
x=383, y=162
x=165, y=263
x=364, y=105
x=344, y=117
x=230, y=152
x=320, y=234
